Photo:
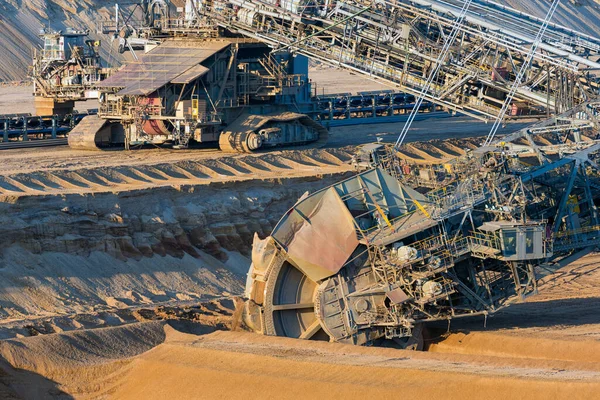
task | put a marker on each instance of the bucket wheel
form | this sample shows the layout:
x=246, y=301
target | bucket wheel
x=289, y=305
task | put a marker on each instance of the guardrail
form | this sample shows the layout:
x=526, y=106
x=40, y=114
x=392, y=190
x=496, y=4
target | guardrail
x=26, y=127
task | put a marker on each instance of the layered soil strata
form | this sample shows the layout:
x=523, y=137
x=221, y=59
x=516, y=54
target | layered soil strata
x=78, y=253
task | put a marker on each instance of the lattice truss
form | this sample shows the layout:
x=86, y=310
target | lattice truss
x=397, y=42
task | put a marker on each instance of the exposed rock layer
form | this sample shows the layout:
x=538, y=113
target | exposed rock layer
x=78, y=253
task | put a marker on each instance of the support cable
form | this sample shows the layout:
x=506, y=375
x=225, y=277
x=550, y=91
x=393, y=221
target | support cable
x=521, y=74
x=434, y=72
x=326, y=29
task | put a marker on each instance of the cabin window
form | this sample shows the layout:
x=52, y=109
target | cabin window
x=510, y=242
x=529, y=241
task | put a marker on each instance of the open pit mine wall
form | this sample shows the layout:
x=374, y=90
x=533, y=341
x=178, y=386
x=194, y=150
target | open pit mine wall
x=155, y=222
x=67, y=253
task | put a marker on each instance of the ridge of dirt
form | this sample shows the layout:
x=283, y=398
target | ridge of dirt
x=96, y=172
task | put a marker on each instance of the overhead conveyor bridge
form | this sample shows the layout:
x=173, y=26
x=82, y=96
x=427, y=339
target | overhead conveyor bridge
x=397, y=42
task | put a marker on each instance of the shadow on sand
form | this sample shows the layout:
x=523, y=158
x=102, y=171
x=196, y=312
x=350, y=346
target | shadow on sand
x=541, y=314
x=22, y=384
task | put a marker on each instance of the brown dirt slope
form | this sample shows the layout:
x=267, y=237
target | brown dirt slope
x=21, y=21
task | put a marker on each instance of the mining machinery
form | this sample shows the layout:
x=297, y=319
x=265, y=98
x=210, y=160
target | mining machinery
x=193, y=83
x=144, y=24
x=377, y=255
x=226, y=91
x=196, y=82
x=381, y=253
x=65, y=70
x=396, y=42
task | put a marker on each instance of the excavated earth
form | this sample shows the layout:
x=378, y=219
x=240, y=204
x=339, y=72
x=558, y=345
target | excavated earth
x=120, y=272
x=157, y=228
x=545, y=348
x=120, y=275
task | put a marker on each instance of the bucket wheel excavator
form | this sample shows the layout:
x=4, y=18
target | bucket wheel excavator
x=371, y=258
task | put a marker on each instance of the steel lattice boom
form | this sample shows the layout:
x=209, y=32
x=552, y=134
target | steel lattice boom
x=397, y=42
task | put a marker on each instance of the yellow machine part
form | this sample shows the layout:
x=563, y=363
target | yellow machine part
x=574, y=203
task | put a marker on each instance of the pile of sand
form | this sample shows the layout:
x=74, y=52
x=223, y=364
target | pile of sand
x=154, y=361
x=97, y=173
x=83, y=362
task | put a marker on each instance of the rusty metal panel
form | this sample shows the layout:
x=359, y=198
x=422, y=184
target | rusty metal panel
x=397, y=296
x=191, y=74
x=176, y=61
x=319, y=236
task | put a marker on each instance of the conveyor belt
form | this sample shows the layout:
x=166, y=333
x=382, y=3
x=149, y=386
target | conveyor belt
x=25, y=128
x=396, y=41
x=33, y=143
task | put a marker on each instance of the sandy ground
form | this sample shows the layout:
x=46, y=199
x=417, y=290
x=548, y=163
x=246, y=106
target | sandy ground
x=19, y=100
x=545, y=348
x=16, y=100
x=424, y=128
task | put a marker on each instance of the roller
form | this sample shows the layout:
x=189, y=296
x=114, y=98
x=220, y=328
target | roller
x=270, y=131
